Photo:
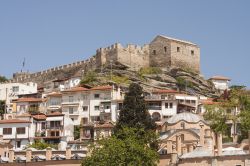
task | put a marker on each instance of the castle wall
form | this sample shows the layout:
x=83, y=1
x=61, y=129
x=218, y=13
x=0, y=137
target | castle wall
x=134, y=56
x=187, y=56
x=160, y=53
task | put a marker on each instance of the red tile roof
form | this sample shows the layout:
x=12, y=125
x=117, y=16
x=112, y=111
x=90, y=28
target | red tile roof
x=208, y=102
x=28, y=100
x=54, y=94
x=107, y=87
x=219, y=78
x=165, y=91
x=7, y=121
x=55, y=114
x=40, y=117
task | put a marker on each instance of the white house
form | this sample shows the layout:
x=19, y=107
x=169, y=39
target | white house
x=220, y=82
x=17, y=131
x=163, y=104
x=10, y=91
x=90, y=105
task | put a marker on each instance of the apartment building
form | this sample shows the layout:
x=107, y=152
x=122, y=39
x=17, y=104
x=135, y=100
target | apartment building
x=163, y=104
x=10, y=91
x=17, y=131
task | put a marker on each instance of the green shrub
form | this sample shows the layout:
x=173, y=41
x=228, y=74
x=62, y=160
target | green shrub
x=89, y=77
x=150, y=70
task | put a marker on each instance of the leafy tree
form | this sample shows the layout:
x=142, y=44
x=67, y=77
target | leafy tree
x=3, y=79
x=40, y=145
x=76, y=132
x=2, y=108
x=217, y=118
x=123, y=149
x=134, y=112
x=244, y=123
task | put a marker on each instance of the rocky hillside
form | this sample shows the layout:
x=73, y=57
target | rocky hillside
x=152, y=78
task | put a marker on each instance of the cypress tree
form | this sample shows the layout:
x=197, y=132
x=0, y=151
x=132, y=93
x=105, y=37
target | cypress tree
x=134, y=112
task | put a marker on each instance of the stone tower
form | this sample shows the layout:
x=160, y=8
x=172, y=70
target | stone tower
x=170, y=52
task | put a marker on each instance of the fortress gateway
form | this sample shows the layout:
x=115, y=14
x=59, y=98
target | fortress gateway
x=161, y=52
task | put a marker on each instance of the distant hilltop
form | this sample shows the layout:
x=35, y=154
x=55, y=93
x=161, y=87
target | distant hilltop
x=161, y=52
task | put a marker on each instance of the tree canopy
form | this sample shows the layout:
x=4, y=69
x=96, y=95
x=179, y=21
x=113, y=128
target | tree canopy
x=3, y=79
x=123, y=149
x=134, y=112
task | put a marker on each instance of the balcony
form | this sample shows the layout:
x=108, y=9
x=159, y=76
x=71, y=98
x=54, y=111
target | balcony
x=54, y=127
x=70, y=102
x=160, y=97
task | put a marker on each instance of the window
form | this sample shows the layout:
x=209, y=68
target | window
x=15, y=88
x=97, y=108
x=193, y=101
x=165, y=49
x=71, y=110
x=18, y=144
x=71, y=98
x=72, y=119
x=166, y=105
x=84, y=120
x=20, y=130
x=154, y=52
x=96, y=96
x=170, y=105
x=183, y=125
x=84, y=97
x=7, y=131
x=107, y=106
x=43, y=125
x=178, y=49
x=85, y=108
x=192, y=52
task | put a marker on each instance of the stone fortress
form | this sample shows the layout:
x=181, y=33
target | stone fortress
x=161, y=52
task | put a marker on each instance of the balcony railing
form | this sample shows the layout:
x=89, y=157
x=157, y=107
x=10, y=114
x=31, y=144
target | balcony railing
x=54, y=127
x=154, y=107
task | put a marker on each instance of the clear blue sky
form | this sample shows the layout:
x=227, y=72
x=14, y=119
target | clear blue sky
x=55, y=32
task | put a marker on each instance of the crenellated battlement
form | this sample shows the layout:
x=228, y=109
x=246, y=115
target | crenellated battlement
x=161, y=52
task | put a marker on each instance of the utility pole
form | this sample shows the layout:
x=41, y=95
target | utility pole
x=111, y=61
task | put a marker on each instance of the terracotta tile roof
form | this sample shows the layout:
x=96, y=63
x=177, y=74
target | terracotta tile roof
x=76, y=89
x=165, y=91
x=55, y=114
x=54, y=94
x=28, y=100
x=40, y=117
x=219, y=78
x=7, y=121
x=208, y=102
x=107, y=87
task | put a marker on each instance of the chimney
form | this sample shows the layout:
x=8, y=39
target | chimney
x=219, y=144
x=174, y=157
x=169, y=146
x=202, y=134
x=28, y=155
x=184, y=149
x=48, y=153
x=190, y=148
x=68, y=153
x=178, y=144
x=11, y=155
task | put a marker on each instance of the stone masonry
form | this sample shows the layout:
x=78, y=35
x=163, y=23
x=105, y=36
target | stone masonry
x=161, y=52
